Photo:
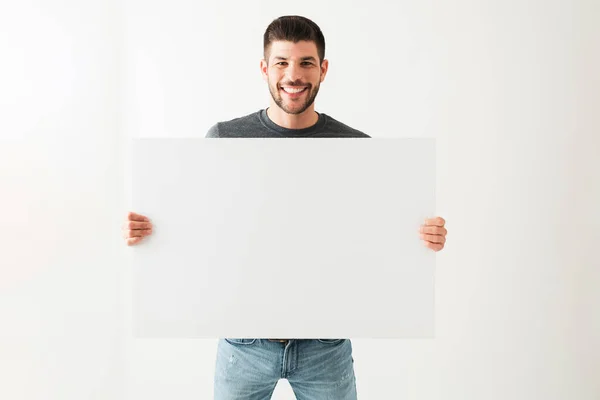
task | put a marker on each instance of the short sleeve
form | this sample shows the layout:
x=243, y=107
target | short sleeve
x=213, y=132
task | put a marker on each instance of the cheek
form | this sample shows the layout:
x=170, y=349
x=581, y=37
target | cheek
x=316, y=78
x=274, y=79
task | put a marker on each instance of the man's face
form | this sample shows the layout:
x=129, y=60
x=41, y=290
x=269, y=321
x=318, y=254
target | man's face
x=293, y=74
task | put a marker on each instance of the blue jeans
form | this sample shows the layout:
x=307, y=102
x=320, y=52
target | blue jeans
x=317, y=369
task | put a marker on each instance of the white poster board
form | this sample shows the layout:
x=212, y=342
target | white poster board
x=284, y=238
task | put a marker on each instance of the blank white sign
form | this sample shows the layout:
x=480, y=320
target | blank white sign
x=284, y=238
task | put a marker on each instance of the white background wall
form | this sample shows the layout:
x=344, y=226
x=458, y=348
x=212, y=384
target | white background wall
x=510, y=88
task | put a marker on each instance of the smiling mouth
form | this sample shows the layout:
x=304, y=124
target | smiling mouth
x=294, y=90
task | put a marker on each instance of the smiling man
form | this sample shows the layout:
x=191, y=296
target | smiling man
x=294, y=80
x=294, y=66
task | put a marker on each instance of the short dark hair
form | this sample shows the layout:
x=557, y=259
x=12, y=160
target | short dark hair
x=294, y=28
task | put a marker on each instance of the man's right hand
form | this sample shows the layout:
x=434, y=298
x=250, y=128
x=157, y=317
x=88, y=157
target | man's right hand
x=136, y=228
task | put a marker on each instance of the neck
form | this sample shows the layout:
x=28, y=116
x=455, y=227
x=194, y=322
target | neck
x=293, y=121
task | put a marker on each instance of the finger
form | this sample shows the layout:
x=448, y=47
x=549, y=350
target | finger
x=437, y=221
x=433, y=238
x=434, y=230
x=133, y=241
x=137, y=225
x=131, y=233
x=131, y=216
x=434, y=246
x=127, y=233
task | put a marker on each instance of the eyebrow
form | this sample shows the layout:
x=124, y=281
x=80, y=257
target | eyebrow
x=303, y=58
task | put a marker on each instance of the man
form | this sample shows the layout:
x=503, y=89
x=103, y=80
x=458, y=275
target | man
x=294, y=66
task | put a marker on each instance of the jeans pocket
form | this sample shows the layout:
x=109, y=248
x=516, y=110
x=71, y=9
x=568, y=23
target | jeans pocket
x=331, y=341
x=240, y=341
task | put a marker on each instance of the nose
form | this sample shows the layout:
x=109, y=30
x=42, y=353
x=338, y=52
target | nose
x=294, y=72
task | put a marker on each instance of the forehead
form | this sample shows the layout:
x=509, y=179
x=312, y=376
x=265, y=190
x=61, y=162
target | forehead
x=293, y=50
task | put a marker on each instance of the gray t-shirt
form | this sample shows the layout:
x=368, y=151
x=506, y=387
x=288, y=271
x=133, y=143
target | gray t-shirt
x=259, y=125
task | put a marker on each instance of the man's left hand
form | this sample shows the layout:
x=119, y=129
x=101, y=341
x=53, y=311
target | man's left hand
x=433, y=233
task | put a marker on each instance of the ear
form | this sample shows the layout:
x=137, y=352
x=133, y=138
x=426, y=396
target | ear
x=324, y=69
x=263, y=70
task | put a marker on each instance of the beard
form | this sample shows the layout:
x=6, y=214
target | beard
x=293, y=106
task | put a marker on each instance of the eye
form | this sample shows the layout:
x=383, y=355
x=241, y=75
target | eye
x=280, y=63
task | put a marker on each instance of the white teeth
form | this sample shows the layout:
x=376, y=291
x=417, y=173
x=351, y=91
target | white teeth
x=290, y=90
